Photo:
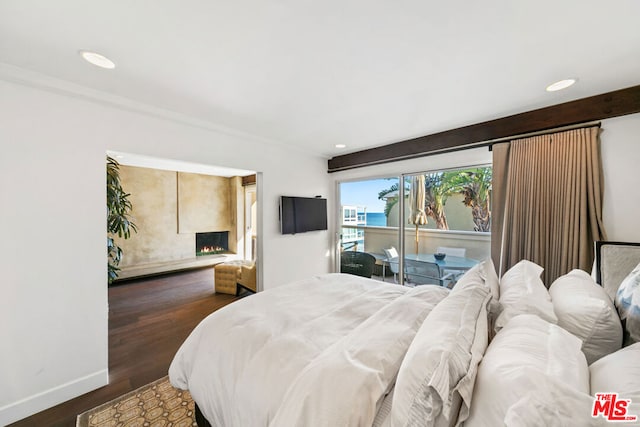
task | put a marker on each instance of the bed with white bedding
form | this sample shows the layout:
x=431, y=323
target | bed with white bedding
x=325, y=351
x=340, y=350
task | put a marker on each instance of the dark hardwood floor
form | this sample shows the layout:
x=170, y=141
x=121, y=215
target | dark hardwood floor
x=148, y=320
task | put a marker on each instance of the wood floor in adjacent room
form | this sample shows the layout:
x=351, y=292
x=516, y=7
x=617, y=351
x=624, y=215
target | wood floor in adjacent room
x=148, y=320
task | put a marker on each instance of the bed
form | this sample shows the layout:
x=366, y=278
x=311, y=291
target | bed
x=342, y=350
x=328, y=351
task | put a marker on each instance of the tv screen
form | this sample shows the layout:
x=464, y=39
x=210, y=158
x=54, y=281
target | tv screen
x=300, y=214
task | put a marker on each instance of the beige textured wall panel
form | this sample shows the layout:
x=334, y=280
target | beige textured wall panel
x=204, y=203
x=154, y=200
x=236, y=243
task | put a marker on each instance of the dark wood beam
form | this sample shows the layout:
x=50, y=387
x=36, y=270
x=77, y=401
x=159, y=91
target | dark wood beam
x=598, y=107
x=248, y=180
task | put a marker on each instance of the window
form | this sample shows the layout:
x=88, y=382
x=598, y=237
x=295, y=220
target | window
x=453, y=212
x=457, y=199
x=363, y=207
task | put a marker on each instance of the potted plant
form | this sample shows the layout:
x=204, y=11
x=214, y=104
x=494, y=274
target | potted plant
x=118, y=217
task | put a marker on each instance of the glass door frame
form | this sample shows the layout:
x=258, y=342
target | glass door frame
x=338, y=212
x=401, y=208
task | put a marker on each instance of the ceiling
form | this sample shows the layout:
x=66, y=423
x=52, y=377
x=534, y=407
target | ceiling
x=312, y=74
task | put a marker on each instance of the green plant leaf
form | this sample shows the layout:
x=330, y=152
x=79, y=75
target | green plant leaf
x=119, y=209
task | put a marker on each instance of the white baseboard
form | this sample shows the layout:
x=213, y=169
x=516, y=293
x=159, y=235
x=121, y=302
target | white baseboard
x=38, y=402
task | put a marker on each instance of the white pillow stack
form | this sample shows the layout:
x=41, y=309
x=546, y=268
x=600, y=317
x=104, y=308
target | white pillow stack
x=522, y=292
x=526, y=356
x=584, y=309
x=435, y=381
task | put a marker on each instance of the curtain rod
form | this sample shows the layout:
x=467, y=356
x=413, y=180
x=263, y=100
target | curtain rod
x=538, y=133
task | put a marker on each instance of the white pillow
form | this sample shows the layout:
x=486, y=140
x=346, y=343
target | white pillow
x=484, y=273
x=628, y=305
x=526, y=352
x=619, y=372
x=435, y=381
x=552, y=404
x=522, y=292
x=584, y=309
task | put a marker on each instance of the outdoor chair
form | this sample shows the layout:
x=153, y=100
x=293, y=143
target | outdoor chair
x=424, y=273
x=461, y=252
x=391, y=255
x=357, y=263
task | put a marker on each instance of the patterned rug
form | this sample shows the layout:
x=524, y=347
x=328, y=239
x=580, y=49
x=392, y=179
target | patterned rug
x=154, y=405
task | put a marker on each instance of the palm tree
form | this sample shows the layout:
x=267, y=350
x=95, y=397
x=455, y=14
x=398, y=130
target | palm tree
x=438, y=191
x=475, y=186
x=387, y=195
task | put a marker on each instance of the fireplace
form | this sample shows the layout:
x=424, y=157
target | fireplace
x=215, y=242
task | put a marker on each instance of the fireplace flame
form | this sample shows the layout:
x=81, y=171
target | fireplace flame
x=208, y=249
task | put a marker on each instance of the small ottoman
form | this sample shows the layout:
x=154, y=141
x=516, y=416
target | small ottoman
x=226, y=276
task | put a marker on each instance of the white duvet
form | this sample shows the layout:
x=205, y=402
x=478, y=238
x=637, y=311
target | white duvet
x=319, y=352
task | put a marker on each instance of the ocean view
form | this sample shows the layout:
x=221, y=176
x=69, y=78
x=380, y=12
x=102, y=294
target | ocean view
x=376, y=219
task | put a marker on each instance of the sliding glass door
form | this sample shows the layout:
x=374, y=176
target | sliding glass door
x=368, y=224
x=432, y=226
x=448, y=224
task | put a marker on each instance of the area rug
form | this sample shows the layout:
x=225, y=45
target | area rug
x=157, y=404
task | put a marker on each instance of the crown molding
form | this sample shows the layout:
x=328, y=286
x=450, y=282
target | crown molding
x=13, y=74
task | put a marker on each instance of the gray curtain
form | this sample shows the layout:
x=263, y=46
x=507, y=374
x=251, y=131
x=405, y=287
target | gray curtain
x=551, y=207
x=498, y=195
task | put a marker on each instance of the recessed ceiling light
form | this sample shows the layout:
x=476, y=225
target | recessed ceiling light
x=562, y=84
x=97, y=59
x=341, y=146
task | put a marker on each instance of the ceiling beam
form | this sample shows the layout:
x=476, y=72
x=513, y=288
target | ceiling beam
x=598, y=107
x=248, y=180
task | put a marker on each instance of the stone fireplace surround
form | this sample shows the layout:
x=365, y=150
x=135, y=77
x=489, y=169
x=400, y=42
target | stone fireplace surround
x=170, y=209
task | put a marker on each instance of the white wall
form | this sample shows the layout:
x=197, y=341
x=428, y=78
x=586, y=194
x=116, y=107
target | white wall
x=620, y=147
x=53, y=307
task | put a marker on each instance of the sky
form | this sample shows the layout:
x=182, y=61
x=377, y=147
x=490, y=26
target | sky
x=365, y=193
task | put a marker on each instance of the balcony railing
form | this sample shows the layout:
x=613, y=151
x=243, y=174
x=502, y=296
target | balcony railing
x=376, y=239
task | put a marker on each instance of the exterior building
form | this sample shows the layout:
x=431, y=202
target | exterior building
x=353, y=237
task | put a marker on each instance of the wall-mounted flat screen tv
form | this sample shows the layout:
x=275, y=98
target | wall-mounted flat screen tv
x=301, y=214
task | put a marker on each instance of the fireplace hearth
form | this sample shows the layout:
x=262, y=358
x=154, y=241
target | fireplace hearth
x=211, y=243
